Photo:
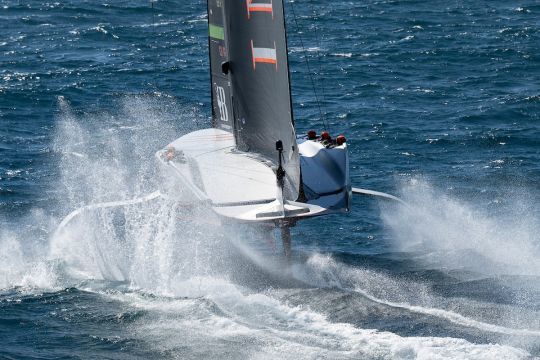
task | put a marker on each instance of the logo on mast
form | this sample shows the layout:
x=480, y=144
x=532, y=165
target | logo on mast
x=259, y=7
x=264, y=55
x=222, y=103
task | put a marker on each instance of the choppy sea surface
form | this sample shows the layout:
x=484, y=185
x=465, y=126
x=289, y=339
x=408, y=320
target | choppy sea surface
x=440, y=103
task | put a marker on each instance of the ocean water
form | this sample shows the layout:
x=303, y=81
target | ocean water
x=440, y=103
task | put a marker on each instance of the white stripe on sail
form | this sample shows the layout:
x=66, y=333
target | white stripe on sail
x=263, y=55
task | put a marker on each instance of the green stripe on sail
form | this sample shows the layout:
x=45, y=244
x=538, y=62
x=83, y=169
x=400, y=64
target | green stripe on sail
x=217, y=32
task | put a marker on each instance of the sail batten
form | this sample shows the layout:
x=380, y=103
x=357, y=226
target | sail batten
x=253, y=99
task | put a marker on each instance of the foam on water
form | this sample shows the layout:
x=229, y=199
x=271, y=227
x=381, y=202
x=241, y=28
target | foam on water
x=323, y=271
x=267, y=328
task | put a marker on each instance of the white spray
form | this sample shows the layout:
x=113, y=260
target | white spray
x=460, y=235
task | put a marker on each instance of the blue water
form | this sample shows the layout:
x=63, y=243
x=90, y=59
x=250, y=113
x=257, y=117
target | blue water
x=440, y=103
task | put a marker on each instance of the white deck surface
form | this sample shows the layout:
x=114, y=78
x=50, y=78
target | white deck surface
x=226, y=176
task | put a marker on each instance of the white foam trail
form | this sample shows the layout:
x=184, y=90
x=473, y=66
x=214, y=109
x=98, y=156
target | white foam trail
x=453, y=317
x=264, y=328
x=324, y=271
x=458, y=235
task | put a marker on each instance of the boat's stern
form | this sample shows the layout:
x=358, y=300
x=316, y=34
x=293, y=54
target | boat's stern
x=325, y=173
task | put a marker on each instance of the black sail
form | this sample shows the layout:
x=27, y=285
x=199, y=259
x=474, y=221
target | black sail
x=250, y=78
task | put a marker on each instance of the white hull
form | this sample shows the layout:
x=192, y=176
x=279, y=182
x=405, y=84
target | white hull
x=203, y=166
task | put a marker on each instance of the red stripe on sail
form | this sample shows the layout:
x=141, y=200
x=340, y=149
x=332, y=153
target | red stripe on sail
x=259, y=7
x=265, y=60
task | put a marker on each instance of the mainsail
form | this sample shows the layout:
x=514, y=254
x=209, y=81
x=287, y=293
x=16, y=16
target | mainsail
x=250, y=80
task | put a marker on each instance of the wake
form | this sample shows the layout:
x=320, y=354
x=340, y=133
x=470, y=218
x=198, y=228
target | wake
x=323, y=271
